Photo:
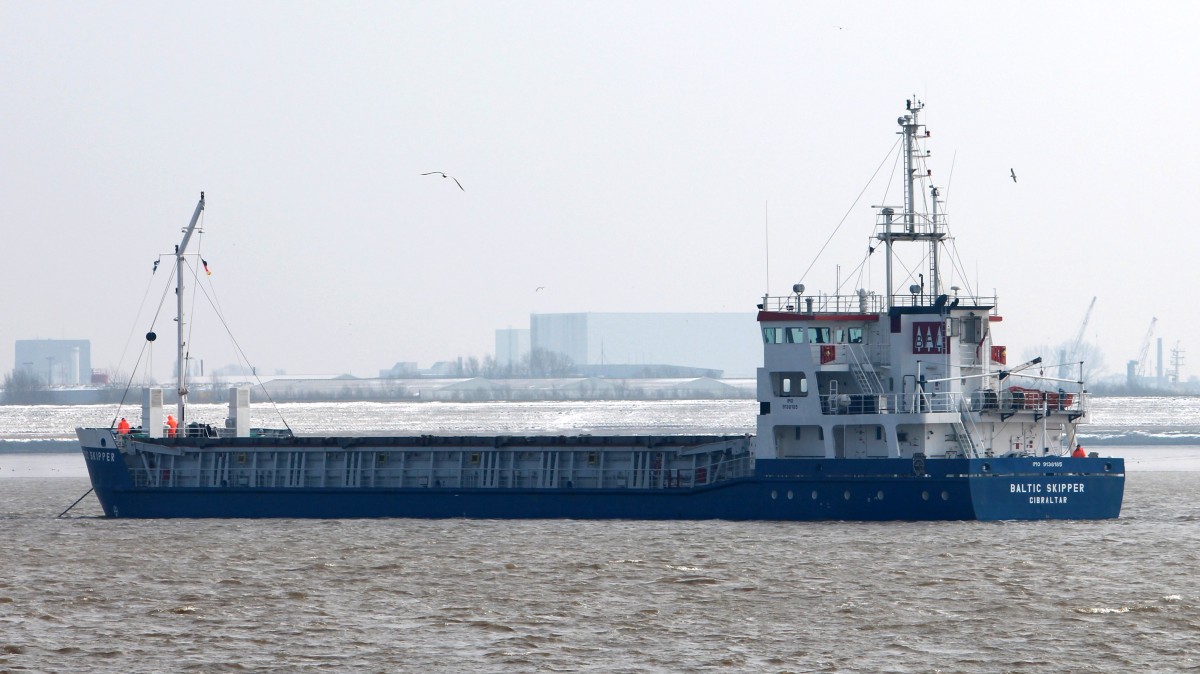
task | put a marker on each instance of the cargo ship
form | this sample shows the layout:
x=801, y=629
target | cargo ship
x=873, y=405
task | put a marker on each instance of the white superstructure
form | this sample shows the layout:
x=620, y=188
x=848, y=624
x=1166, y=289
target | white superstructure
x=904, y=372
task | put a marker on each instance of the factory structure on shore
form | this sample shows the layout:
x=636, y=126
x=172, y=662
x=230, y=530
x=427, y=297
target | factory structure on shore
x=57, y=362
x=684, y=351
x=629, y=345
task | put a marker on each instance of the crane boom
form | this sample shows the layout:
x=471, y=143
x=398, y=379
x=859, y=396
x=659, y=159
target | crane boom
x=1070, y=354
x=1145, y=350
x=1078, y=341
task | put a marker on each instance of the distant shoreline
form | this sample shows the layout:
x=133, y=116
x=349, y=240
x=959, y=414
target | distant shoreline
x=473, y=389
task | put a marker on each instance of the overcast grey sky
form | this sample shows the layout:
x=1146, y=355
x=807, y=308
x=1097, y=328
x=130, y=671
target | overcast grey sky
x=617, y=153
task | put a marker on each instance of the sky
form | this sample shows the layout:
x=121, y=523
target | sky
x=623, y=156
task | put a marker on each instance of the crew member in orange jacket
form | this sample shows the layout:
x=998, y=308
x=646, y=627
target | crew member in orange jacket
x=1078, y=453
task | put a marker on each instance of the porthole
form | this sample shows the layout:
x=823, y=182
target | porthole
x=924, y=496
x=945, y=495
x=790, y=495
x=987, y=467
x=1107, y=466
x=846, y=494
x=104, y=443
x=774, y=494
x=814, y=494
x=879, y=495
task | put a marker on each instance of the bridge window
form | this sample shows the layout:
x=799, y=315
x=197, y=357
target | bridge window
x=783, y=335
x=790, y=384
x=772, y=335
x=856, y=335
x=819, y=336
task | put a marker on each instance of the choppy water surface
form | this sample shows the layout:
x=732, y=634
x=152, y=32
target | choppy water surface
x=88, y=594
x=479, y=595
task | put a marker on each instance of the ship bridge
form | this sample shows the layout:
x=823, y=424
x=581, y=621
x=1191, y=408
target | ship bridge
x=860, y=376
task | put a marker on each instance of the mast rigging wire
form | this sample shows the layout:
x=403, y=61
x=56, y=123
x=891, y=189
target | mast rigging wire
x=212, y=302
x=848, y=211
x=146, y=344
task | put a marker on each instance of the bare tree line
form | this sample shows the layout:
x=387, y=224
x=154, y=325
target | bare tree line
x=537, y=364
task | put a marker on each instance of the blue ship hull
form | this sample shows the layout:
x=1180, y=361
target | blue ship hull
x=809, y=489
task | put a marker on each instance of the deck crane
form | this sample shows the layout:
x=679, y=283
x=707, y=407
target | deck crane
x=1019, y=368
x=1071, y=356
x=1136, y=369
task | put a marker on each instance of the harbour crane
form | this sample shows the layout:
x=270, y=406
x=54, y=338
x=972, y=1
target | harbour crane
x=1071, y=357
x=1137, y=368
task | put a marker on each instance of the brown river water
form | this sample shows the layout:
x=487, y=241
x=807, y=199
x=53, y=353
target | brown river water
x=83, y=593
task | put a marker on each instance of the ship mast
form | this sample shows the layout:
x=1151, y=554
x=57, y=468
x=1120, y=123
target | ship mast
x=910, y=125
x=181, y=353
x=915, y=228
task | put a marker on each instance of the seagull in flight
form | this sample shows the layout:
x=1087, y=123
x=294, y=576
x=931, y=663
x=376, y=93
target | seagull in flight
x=540, y=289
x=439, y=173
x=1013, y=174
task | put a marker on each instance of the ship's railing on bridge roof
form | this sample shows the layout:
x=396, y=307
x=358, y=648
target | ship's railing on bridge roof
x=824, y=304
x=862, y=304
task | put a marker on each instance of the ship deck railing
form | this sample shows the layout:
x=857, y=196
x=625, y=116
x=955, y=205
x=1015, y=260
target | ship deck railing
x=868, y=303
x=1004, y=402
x=202, y=431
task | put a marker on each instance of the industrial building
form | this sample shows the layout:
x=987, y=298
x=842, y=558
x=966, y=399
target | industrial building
x=651, y=344
x=512, y=344
x=57, y=362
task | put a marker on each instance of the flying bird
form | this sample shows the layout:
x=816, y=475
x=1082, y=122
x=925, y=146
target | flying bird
x=539, y=289
x=1013, y=174
x=439, y=173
